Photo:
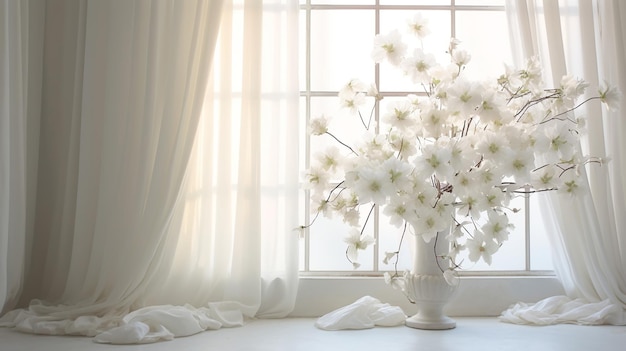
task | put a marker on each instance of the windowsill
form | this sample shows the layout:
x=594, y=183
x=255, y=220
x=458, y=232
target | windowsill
x=476, y=295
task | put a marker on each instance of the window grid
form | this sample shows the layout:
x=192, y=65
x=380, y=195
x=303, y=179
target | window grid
x=308, y=93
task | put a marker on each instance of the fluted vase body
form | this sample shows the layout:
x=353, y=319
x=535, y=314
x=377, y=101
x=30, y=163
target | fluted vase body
x=426, y=286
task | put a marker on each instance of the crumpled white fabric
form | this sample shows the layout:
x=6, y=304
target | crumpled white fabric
x=145, y=325
x=365, y=313
x=565, y=310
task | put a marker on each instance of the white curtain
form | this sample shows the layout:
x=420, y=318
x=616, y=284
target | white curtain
x=21, y=25
x=239, y=204
x=153, y=188
x=586, y=38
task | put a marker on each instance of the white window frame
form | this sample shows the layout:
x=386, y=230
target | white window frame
x=484, y=293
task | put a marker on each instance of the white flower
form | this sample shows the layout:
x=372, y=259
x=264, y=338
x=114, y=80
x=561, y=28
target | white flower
x=480, y=248
x=417, y=67
x=464, y=156
x=375, y=147
x=402, y=143
x=373, y=185
x=398, y=172
x=555, y=142
x=389, y=256
x=487, y=174
x=372, y=91
x=572, y=87
x=399, y=114
x=470, y=205
x=610, y=96
x=434, y=160
x=497, y=227
x=492, y=197
x=429, y=222
x=418, y=25
x=317, y=178
x=330, y=159
x=571, y=184
x=319, y=125
x=519, y=163
x=352, y=87
x=432, y=121
x=397, y=210
x=464, y=96
x=388, y=47
x=493, y=146
x=356, y=241
x=492, y=108
x=546, y=177
x=465, y=182
x=531, y=75
x=321, y=205
x=395, y=282
x=461, y=57
x=353, y=101
x=351, y=217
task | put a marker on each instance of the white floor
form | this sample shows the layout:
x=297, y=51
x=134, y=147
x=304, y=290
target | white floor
x=482, y=334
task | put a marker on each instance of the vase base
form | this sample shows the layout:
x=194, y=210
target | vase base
x=440, y=324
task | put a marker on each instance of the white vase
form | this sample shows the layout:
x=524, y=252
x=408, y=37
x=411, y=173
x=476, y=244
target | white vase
x=427, y=287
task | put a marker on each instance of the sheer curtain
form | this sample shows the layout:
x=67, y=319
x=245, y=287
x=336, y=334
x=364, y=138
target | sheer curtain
x=163, y=206
x=20, y=103
x=585, y=38
x=239, y=203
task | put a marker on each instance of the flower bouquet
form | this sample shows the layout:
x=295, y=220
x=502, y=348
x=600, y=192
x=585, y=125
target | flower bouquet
x=449, y=157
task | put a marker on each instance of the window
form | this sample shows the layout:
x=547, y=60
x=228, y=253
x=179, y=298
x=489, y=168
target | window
x=337, y=39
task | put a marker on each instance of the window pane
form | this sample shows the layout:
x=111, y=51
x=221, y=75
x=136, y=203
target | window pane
x=485, y=35
x=540, y=253
x=341, y=44
x=328, y=249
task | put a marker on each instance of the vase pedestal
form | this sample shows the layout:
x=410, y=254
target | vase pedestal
x=426, y=286
x=431, y=293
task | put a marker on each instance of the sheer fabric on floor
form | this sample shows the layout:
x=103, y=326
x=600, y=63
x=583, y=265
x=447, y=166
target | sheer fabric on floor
x=150, y=194
x=585, y=38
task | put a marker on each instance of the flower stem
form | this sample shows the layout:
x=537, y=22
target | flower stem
x=342, y=143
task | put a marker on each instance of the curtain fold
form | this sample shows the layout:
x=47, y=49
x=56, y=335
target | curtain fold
x=584, y=38
x=20, y=103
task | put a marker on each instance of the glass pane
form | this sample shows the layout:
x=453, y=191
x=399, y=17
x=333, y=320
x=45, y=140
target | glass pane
x=328, y=249
x=485, y=35
x=392, y=78
x=540, y=252
x=341, y=44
